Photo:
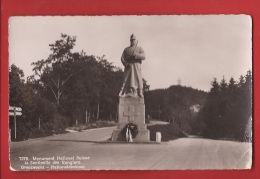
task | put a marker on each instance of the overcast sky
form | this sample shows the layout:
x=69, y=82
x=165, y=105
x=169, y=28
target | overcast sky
x=194, y=49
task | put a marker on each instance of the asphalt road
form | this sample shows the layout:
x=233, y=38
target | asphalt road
x=91, y=149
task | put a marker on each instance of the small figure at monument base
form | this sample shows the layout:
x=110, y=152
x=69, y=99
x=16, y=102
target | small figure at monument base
x=128, y=134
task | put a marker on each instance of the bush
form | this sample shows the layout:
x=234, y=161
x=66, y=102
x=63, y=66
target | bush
x=60, y=123
x=36, y=132
x=21, y=133
x=168, y=131
x=97, y=124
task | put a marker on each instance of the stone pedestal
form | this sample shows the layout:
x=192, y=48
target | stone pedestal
x=131, y=110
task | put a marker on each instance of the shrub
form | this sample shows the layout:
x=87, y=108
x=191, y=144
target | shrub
x=60, y=123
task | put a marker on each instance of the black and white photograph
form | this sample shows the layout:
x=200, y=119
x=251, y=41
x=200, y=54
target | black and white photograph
x=128, y=92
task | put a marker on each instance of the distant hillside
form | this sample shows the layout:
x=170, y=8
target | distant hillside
x=177, y=104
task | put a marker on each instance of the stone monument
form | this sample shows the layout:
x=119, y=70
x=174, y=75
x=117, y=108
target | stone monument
x=131, y=108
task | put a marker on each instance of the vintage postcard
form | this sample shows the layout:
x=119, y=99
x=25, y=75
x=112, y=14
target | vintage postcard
x=159, y=92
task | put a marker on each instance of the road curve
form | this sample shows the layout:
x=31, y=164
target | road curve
x=97, y=153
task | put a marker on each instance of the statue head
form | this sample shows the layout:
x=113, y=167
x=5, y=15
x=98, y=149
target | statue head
x=133, y=40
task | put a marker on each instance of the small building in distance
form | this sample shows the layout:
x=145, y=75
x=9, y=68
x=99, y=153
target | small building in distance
x=195, y=108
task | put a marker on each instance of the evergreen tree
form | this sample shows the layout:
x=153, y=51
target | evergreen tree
x=228, y=108
x=210, y=113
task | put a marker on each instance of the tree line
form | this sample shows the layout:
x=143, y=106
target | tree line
x=227, y=112
x=67, y=88
x=174, y=105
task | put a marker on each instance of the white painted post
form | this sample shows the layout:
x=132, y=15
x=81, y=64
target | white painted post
x=158, y=137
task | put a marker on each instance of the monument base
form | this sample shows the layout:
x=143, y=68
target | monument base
x=131, y=110
x=142, y=136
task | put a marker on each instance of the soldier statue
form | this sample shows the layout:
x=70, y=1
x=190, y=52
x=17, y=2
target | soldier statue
x=132, y=58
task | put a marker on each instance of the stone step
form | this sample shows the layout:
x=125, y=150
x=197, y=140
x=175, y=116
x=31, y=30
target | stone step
x=143, y=135
x=140, y=126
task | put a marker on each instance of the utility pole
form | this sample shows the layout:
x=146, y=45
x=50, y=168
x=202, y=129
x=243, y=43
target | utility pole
x=179, y=82
x=86, y=116
x=14, y=122
x=98, y=111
